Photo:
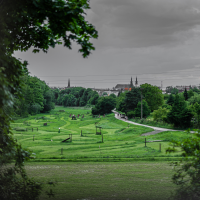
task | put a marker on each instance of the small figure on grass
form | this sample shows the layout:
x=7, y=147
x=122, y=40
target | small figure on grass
x=73, y=117
x=59, y=130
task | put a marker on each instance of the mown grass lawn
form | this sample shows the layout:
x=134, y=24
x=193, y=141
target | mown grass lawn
x=120, y=142
x=104, y=180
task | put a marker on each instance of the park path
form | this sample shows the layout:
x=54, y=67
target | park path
x=156, y=129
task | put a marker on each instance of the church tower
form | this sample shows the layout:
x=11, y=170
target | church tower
x=68, y=83
x=131, y=83
x=136, y=82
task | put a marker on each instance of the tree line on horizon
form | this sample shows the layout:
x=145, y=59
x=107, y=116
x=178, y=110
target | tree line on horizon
x=180, y=109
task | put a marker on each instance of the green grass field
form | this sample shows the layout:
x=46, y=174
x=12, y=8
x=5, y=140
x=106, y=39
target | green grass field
x=104, y=180
x=119, y=168
x=120, y=143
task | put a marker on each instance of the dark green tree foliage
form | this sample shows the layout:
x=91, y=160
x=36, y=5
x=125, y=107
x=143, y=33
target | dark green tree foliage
x=179, y=115
x=120, y=106
x=84, y=99
x=153, y=96
x=161, y=113
x=72, y=97
x=196, y=98
x=186, y=95
x=48, y=100
x=56, y=93
x=196, y=112
x=190, y=94
x=170, y=100
x=174, y=91
x=82, y=90
x=38, y=24
x=195, y=89
x=131, y=99
x=104, y=105
x=37, y=97
x=171, y=90
x=145, y=109
x=113, y=95
x=94, y=99
x=166, y=96
x=187, y=175
x=69, y=100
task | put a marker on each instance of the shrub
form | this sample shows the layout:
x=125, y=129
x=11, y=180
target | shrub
x=130, y=114
x=20, y=129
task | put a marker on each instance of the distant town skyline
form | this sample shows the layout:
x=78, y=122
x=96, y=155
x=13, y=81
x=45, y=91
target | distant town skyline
x=152, y=39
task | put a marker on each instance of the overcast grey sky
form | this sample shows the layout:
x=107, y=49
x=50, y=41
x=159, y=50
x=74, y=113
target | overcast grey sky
x=155, y=40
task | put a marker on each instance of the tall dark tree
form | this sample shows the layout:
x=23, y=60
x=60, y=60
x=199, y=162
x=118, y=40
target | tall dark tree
x=170, y=100
x=185, y=95
x=131, y=99
x=180, y=115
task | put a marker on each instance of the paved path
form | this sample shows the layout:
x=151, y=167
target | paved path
x=156, y=129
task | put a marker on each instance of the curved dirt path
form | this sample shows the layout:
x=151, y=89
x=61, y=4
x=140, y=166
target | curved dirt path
x=156, y=129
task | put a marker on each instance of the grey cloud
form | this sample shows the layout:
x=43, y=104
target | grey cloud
x=140, y=23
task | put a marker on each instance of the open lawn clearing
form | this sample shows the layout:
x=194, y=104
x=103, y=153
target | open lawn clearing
x=103, y=181
x=119, y=140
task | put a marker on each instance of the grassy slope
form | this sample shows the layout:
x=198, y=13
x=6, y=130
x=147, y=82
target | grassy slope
x=120, y=142
x=97, y=180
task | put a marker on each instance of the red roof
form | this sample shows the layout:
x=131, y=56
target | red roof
x=127, y=89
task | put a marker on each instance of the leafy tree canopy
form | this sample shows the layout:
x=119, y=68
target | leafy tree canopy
x=180, y=115
x=160, y=114
x=153, y=96
x=113, y=95
x=170, y=100
x=131, y=99
x=104, y=106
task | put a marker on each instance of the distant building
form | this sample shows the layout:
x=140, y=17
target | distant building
x=127, y=87
x=107, y=90
x=181, y=88
x=122, y=86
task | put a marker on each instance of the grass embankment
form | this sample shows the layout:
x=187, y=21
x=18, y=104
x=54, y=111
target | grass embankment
x=120, y=143
x=103, y=181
